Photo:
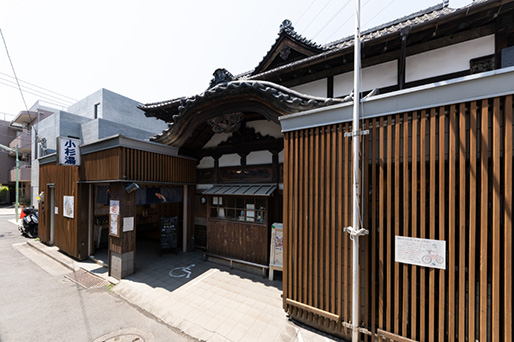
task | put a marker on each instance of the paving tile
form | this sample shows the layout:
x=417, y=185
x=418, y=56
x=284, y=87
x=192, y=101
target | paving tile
x=237, y=332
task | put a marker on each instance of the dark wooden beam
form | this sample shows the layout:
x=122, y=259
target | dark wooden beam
x=330, y=86
x=402, y=60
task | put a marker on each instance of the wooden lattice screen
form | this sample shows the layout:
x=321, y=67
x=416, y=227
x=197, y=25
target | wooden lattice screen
x=426, y=174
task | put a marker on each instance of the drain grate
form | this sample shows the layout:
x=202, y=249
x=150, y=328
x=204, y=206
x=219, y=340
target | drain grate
x=86, y=279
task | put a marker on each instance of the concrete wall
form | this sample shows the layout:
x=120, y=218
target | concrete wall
x=59, y=124
x=94, y=130
x=116, y=108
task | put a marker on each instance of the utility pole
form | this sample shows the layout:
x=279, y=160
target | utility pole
x=355, y=231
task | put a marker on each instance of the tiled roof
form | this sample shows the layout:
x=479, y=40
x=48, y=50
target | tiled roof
x=418, y=18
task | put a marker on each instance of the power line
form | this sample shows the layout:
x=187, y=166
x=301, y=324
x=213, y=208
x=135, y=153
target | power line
x=301, y=16
x=333, y=17
x=316, y=16
x=382, y=10
x=341, y=26
x=47, y=90
x=15, y=76
x=40, y=95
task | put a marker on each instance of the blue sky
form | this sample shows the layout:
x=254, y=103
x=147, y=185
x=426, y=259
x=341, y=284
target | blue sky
x=157, y=50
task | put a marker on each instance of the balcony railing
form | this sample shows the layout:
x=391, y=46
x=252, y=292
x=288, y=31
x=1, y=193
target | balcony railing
x=24, y=175
x=23, y=142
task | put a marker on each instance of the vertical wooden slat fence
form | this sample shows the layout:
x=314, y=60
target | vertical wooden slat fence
x=440, y=173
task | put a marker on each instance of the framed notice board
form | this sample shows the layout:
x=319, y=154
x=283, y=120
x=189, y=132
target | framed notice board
x=168, y=239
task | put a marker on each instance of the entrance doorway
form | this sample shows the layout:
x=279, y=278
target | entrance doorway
x=158, y=208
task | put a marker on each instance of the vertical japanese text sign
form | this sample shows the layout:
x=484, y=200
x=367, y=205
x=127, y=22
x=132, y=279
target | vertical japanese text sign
x=69, y=152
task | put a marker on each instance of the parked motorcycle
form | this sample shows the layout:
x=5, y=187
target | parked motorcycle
x=29, y=224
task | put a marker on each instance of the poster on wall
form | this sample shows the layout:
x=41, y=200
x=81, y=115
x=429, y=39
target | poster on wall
x=114, y=225
x=114, y=215
x=420, y=252
x=69, y=205
x=114, y=207
x=128, y=224
x=69, y=151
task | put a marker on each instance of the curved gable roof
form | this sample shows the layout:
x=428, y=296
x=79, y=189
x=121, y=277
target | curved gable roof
x=288, y=47
x=268, y=99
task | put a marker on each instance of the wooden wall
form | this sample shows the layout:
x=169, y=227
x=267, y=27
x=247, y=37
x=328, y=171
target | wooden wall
x=67, y=236
x=243, y=241
x=136, y=165
x=441, y=173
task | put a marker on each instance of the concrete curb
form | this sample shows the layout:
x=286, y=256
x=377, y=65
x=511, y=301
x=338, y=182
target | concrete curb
x=53, y=253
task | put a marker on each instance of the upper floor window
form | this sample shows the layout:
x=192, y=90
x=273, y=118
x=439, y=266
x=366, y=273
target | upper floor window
x=97, y=109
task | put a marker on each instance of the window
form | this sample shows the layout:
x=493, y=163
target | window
x=97, y=106
x=242, y=209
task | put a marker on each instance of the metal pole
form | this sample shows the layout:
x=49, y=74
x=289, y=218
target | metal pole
x=356, y=192
x=17, y=183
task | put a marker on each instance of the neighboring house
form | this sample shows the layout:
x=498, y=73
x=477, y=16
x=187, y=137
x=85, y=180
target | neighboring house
x=7, y=162
x=99, y=115
x=22, y=125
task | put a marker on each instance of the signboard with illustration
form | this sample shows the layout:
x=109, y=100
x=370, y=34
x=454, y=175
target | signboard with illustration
x=277, y=245
x=420, y=252
x=69, y=206
x=69, y=151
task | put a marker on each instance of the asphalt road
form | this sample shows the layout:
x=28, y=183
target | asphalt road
x=37, y=302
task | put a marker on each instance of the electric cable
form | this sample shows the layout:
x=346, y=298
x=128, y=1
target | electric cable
x=15, y=76
x=305, y=11
x=316, y=16
x=45, y=89
x=341, y=26
x=382, y=10
x=49, y=99
x=331, y=19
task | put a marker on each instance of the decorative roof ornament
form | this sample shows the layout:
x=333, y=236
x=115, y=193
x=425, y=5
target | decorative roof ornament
x=221, y=75
x=287, y=26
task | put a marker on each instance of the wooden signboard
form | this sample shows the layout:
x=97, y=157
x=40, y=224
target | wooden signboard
x=168, y=238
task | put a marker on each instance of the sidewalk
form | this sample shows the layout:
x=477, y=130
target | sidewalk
x=206, y=301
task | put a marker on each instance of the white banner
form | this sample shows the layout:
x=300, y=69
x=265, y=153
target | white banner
x=69, y=151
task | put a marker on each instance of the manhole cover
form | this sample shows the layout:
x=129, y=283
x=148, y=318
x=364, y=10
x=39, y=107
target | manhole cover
x=127, y=335
x=124, y=338
x=86, y=279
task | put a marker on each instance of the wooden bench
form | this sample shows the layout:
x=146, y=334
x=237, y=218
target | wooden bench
x=242, y=262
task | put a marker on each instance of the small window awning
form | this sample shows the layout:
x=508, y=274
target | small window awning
x=242, y=190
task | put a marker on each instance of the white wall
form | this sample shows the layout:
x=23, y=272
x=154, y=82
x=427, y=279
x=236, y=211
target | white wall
x=265, y=127
x=230, y=160
x=316, y=88
x=206, y=163
x=447, y=60
x=377, y=76
x=259, y=157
